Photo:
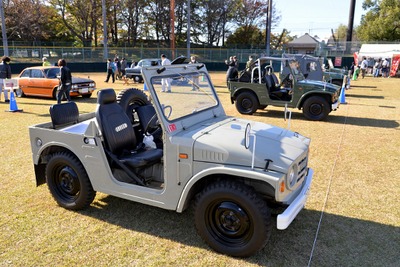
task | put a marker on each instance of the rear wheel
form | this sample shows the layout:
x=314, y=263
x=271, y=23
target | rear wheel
x=316, y=108
x=68, y=181
x=247, y=103
x=232, y=219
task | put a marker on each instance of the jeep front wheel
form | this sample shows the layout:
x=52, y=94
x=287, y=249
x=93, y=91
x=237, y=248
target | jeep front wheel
x=68, y=181
x=232, y=219
x=246, y=103
x=316, y=108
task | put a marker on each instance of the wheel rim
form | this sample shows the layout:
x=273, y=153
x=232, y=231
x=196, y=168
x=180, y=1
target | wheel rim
x=229, y=223
x=66, y=183
x=247, y=104
x=316, y=109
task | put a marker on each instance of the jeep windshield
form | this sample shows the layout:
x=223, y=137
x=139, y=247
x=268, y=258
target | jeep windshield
x=184, y=94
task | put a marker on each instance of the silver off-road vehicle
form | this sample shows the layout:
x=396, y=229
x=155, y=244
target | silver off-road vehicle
x=177, y=149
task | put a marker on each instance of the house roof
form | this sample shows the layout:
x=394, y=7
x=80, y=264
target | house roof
x=304, y=41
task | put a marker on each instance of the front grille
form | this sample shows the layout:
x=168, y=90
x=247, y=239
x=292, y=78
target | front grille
x=302, y=168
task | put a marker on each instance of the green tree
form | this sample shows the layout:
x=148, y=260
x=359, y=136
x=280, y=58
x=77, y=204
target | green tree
x=381, y=22
x=34, y=22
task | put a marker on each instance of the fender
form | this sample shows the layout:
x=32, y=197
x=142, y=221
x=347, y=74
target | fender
x=310, y=93
x=270, y=177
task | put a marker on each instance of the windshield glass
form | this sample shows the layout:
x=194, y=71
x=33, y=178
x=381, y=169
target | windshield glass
x=295, y=69
x=182, y=95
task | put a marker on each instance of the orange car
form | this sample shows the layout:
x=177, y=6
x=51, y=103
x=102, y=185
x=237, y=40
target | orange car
x=43, y=81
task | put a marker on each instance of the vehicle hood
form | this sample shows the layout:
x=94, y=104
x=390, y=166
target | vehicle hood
x=225, y=144
x=81, y=80
x=310, y=84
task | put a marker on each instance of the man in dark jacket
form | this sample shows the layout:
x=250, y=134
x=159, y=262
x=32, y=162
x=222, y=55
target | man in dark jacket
x=65, y=81
x=5, y=73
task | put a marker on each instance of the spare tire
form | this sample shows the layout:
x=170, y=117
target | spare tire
x=130, y=99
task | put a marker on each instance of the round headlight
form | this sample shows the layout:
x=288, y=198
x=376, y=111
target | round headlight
x=292, y=177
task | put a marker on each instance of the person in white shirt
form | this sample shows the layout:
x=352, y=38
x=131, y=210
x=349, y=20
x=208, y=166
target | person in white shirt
x=364, y=66
x=165, y=83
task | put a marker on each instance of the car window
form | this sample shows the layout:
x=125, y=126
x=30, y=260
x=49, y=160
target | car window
x=25, y=74
x=37, y=74
x=53, y=73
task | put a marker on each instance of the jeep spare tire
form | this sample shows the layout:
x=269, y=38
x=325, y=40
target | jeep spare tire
x=130, y=99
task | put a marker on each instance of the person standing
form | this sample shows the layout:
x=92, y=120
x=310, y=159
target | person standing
x=123, y=66
x=110, y=70
x=5, y=73
x=385, y=68
x=65, y=81
x=364, y=66
x=377, y=67
x=232, y=72
x=165, y=83
x=45, y=63
x=195, y=82
x=249, y=63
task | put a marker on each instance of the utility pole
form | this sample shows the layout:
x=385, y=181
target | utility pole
x=172, y=36
x=349, y=33
x=268, y=28
x=188, y=30
x=3, y=29
x=105, y=39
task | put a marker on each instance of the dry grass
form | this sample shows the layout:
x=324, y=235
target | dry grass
x=355, y=155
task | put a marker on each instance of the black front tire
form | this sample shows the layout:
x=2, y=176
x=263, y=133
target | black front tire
x=316, y=108
x=232, y=218
x=247, y=103
x=68, y=181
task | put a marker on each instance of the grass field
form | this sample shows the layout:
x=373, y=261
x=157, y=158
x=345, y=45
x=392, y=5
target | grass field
x=352, y=217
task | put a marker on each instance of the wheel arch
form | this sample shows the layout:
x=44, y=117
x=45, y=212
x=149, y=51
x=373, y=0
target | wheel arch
x=243, y=90
x=43, y=157
x=199, y=181
x=327, y=96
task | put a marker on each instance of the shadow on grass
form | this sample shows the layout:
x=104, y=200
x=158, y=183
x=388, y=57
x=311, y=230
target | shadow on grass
x=333, y=118
x=342, y=241
x=363, y=86
x=366, y=96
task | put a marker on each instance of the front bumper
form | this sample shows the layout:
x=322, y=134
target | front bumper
x=285, y=219
x=335, y=105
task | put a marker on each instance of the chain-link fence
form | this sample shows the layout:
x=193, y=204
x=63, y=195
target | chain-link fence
x=34, y=54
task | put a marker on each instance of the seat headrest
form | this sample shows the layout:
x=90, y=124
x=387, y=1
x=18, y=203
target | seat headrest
x=269, y=69
x=106, y=96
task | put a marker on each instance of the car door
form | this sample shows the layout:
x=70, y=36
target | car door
x=39, y=84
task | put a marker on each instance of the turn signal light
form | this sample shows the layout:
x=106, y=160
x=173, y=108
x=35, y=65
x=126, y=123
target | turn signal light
x=282, y=187
x=183, y=156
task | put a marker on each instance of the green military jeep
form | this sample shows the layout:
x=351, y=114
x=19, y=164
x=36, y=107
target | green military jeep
x=312, y=69
x=258, y=86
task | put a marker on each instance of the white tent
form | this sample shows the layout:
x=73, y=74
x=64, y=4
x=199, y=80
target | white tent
x=379, y=50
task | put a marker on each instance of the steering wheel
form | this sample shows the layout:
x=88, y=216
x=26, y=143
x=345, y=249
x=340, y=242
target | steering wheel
x=152, y=126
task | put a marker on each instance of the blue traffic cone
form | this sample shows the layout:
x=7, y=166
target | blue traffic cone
x=342, y=97
x=145, y=87
x=13, y=103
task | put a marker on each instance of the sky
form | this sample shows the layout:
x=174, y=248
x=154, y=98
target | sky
x=315, y=17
